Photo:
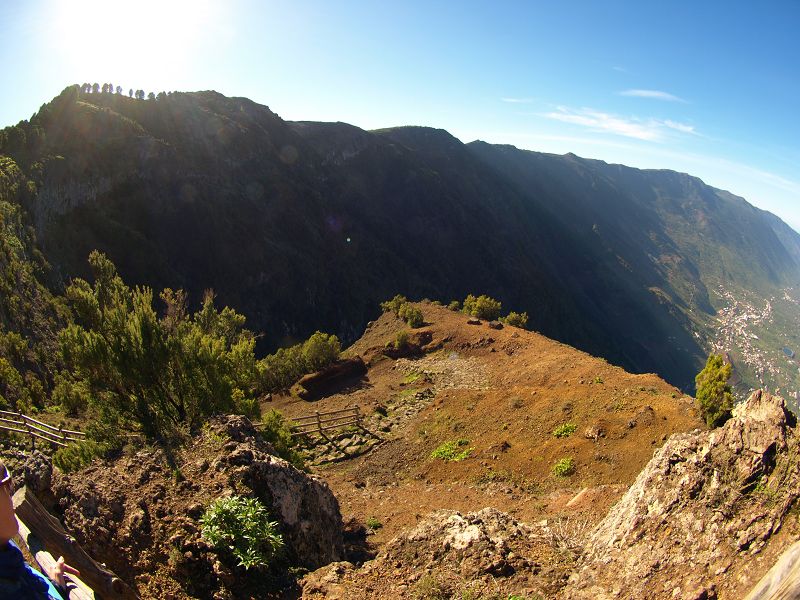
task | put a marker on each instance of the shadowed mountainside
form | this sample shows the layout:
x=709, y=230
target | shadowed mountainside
x=306, y=226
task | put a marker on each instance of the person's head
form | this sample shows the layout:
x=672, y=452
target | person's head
x=8, y=522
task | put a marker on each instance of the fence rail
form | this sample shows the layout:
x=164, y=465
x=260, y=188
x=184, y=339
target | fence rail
x=19, y=423
x=320, y=422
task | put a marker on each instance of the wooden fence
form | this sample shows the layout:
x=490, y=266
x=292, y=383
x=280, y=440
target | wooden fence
x=320, y=422
x=20, y=423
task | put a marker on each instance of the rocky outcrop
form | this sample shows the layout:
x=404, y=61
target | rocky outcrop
x=704, y=505
x=449, y=554
x=303, y=504
x=141, y=514
x=477, y=544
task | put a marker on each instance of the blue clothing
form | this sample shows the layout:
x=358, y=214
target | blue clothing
x=18, y=581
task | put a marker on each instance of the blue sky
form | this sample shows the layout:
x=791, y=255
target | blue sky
x=709, y=88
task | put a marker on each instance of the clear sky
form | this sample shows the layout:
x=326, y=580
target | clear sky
x=709, y=88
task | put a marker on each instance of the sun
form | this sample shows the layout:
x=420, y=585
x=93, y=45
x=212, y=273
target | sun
x=133, y=44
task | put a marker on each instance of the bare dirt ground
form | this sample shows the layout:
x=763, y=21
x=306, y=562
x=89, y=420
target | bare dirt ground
x=504, y=392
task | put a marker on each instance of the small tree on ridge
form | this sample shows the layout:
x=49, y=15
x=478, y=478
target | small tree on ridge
x=713, y=392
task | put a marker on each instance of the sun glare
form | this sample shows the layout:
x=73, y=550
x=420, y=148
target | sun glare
x=143, y=43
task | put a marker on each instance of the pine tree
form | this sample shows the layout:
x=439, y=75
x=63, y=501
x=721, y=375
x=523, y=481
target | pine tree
x=713, y=392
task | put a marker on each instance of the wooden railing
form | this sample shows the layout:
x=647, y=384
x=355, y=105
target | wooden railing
x=320, y=422
x=39, y=530
x=20, y=423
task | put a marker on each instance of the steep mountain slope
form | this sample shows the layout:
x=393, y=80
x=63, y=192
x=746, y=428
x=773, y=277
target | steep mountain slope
x=306, y=226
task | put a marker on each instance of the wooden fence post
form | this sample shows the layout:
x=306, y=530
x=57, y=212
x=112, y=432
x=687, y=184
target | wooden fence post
x=28, y=427
x=319, y=422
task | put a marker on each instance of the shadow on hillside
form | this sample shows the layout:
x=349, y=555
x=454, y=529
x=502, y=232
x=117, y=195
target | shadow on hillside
x=340, y=386
x=357, y=547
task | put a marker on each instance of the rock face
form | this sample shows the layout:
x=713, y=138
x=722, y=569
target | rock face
x=304, y=505
x=704, y=505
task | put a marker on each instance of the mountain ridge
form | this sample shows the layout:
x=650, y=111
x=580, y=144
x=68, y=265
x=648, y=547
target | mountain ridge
x=305, y=225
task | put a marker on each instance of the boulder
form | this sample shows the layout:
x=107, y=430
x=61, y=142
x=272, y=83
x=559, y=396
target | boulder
x=477, y=543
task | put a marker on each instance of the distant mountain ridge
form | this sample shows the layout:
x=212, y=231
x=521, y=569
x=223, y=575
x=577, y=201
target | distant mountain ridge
x=306, y=226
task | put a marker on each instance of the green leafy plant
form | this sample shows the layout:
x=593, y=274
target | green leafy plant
x=515, y=319
x=373, y=523
x=713, y=392
x=564, y=467
x=452, y=451
x=241, y=526
x=455, y=306
x=564, y=430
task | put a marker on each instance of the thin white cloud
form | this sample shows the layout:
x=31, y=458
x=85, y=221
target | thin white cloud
x=605, y=123
x=650, y=130
x=683, y=128
x=620, y=69
x=517, y=100
x=653, y=95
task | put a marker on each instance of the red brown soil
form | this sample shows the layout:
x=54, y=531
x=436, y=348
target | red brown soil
x=526, y=386
x=504, y=391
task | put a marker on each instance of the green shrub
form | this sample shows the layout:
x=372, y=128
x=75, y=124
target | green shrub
x=156, y=374
x=482, y=307
x=401, y=339
x=451, y=451
x=564, y=467
x=394, y=304
x=430, y=587
x=455, y=306
x=373, y=523
x=77, y=455
x=275, y=430
x=564, y=430
x=242, y=527
x=713, y=392
x=280, y=370
x=319, y=351
x=515, y=319
x=411, y=315
x=72, y=397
